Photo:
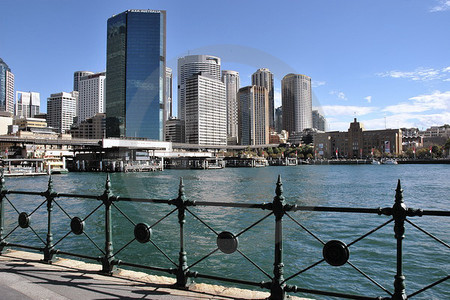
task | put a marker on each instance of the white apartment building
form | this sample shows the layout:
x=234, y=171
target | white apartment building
x=232, y=85
x=206, y=110
x=61, y=109
x=253, y=115
x=27, y=104
x=77, y=77
x=296, y=98
x=91, y=99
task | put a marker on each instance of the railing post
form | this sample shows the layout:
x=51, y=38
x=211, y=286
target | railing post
x=277, y=290
x=2, y=211
x=108, y=261
x=182, y=271
x=399, y=214
x=50, y=196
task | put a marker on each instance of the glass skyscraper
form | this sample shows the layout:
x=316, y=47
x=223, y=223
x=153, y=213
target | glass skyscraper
x=135, y=74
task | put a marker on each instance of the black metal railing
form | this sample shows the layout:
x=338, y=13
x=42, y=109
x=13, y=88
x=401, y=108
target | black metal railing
x=334, y=252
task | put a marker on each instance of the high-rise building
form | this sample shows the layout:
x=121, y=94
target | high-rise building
x=206, y=110
x=253, y=115
x=169, y=94
x=6, y=88
x=318, y=120
x=136, y=72
x=27, y=104
x=77, y=76
x=296, y=98
x=232, y=85
x=263, y=77
x=61, y=109
x=91, y=128
x=279, y=119
x=91, y=96
x=190, y=65
x=174, y=130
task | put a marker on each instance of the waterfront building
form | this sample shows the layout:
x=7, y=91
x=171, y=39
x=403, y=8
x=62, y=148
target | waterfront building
x=77, y=75
x=279, y=119
x=91, y=97
x=357, y=142
x=136, y=73
x=296, y=98
x=6, y=121
x=90, y=128
x=253, y=115
x=6, y=88
x=435, y=135
x=318, y=121
x=411, y=138
x=174, y=130
x=232, y=85
x=61, y=109
x=263, y=77
x=187, y=67
x=169, y=95
x=27, y=104
x=206, y=110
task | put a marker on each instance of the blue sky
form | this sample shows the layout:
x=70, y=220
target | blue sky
x=386, y=63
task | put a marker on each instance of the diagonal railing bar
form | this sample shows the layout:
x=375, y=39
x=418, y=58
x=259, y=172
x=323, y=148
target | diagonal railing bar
x=163, y=253
x=123, y=247
x=66, y=235
x=304, y=270
x=253, y=263
x=157, y=222
x=31, y=228
x=92, y=212
x=62, y=209
x=254, y=224
x=429, y=286
x=39, y=206
x=95, y=244
x=123, y=214
x=429, y=234
x=369, y=278
x=4, y=238
x=370, y=232
x=305, y=229
x=201, y=221
x=203, y=258
x=12, y=205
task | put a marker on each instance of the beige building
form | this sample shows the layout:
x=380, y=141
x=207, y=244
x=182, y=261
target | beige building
x=91, y=128
x=357, y=142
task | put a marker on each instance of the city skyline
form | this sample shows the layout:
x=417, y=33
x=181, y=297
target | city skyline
x=385, y=63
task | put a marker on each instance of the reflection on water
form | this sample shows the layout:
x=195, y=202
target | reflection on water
x=353, y=186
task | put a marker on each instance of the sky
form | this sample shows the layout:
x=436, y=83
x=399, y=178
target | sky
x=386, y=63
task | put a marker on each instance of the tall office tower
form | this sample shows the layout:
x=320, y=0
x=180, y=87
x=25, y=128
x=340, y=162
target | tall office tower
x=296, y=98
x=77, y=76
x=318, y=120
x=27, y=104
x=6, y=88
x=136, y=74
x=61, y=109
x=253, y=115
x=232, y=85
x=169, y=95
x=190, y=65
x=91, y=96
x=279, y=119
x=206, y=110
x=263, y=77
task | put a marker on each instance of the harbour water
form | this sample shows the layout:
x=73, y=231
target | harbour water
x=425, y=186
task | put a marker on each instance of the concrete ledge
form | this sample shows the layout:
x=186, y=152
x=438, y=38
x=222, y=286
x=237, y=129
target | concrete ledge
x=24, y=275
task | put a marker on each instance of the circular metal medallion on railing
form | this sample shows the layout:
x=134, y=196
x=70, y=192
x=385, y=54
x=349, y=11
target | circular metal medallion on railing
x=227, y=242
x=77, y=225
x=142, y=233
x=335, y=253
x=24, y=220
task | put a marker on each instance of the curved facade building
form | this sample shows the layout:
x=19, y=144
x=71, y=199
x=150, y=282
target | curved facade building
x=232, y=84
x=296, y=98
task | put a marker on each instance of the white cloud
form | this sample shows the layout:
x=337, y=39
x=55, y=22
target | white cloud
x=347, y=110
x=339, y=94
x=422, y=103
x=419, y=74
x=369, y=99
x=442, y=6
x=316, y=83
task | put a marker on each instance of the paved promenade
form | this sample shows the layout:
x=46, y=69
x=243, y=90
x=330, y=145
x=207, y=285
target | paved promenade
x=23, y=276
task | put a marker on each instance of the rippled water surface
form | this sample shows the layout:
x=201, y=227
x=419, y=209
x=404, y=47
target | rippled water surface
x=425, y=187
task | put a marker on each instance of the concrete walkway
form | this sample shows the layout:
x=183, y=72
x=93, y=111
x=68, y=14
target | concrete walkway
x=23, y=276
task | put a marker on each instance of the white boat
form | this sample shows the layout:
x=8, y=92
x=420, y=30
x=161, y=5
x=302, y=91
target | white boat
x=375, y=162
x=390, y=162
